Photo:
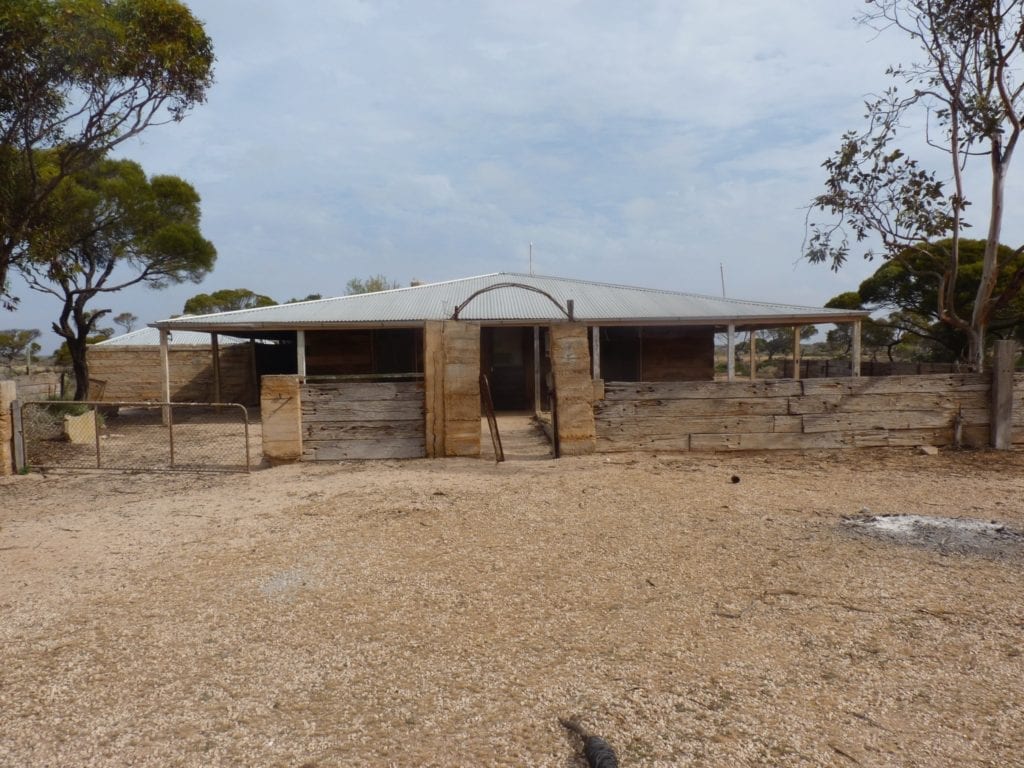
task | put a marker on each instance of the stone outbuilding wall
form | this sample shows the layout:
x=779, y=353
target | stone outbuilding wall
x=134, y=373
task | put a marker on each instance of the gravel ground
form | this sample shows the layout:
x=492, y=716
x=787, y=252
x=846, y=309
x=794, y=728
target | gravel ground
x=446, y=613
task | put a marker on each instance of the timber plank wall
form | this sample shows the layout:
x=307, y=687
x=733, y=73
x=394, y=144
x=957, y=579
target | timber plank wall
x=363, y=420
x=792, y=414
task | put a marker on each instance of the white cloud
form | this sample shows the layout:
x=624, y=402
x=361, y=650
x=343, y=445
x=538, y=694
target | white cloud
x=642, y=143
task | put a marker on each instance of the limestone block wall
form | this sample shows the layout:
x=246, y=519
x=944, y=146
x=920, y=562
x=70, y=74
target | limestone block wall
x=8, y=394
x=281, y=416
x=452, y=388
x=810, y=414
x=134, y=373
x=574, y=389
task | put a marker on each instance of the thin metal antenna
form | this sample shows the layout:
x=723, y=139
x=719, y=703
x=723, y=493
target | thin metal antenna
x=721, y=269
x=531, y=258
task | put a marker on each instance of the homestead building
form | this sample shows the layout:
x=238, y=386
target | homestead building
x=397, y=373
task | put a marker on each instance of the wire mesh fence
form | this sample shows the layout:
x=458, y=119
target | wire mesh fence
x=143, y=436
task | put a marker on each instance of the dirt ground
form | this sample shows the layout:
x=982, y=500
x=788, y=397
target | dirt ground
x=446, y=612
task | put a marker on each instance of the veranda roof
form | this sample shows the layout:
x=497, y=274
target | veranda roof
x=512, y=299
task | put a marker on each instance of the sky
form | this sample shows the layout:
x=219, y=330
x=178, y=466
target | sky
x=659, y=143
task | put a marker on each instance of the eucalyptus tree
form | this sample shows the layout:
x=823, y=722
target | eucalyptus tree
x=968, y=91
x=226, y=300
x=77, y=78
x=111, y=227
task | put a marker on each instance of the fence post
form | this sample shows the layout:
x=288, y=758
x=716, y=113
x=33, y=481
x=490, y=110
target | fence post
x=8, y=394
x=1001, y=417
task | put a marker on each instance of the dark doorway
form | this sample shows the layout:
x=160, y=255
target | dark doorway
x=506, y=356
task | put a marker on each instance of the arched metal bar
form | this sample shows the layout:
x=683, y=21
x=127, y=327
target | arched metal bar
x=567, y=311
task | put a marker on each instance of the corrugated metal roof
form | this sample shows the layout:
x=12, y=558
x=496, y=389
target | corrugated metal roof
x=150, y=337
x=593, y=302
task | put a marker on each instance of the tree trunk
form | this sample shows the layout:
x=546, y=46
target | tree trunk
x=7, y=302
x=80, y=366
x=976, y=349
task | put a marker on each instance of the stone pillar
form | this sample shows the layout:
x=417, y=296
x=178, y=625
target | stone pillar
x=452, y=388
x=281, y=414
x=8, y=394
x=1001, y=417
x=574, y=389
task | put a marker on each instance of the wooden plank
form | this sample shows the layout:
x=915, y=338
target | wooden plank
x=380, y=391
x=380, y=430
x=822, y=441
x=901, y=438
x=667, y=408
x=618, y=390
x=1001, y=419
x=788, y=424
x=366, y=410
x=889, y=420
x=941, y=383
x=638, y=429
x=364, y=449
x=762, y=441
x=653, y=442
x=903, y=401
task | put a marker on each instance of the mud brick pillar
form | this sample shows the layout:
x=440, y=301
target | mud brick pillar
x=452, y=388
x=1001, y=416
x=281, y=414
x=8, y=394
x=574, y=389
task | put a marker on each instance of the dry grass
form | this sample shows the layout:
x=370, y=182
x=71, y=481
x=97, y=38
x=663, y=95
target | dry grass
x=446, y=612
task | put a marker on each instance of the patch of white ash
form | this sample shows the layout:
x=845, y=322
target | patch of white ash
x=906, y=523
x=948, y=535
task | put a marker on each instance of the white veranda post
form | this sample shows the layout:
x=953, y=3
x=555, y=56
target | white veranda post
x=855, y=349
x=730, y=346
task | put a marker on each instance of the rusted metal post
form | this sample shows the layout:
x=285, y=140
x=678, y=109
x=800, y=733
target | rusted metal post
x=215, y=352
x=96, y=432
x=536, y=370
x=245, y=420
x=170, y=431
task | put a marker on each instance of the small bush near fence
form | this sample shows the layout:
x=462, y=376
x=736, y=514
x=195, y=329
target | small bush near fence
x=135, y=436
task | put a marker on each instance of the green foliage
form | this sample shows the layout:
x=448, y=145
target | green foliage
x=126, y=320
x=109, y=227
x=60, y=407
x=908, y=285
x=62, y=356
x=779, y=341
x=226, y=300
x=16, y=342
x=310, y=297
x=77, y=78
x=882, y=202
x=371, y=284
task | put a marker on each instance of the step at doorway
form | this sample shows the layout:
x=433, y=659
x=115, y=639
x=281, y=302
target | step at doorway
x=522, y=439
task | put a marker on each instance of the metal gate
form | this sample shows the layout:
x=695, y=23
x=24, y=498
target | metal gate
x=203, y=437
